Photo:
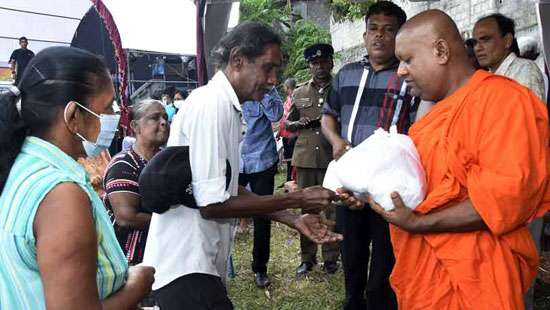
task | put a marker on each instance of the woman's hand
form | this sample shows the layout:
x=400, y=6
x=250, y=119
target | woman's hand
x=140, y=280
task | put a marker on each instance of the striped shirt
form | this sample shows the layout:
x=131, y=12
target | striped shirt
x=385, y=100
x=38, y=168
x=122, y=176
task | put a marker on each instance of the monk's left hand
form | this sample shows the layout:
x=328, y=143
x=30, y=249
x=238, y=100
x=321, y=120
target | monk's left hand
x=400, y=216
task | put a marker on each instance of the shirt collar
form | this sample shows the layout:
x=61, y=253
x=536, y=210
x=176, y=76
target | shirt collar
x=315, y=86
x=220, y=79
x=506, y=63
x=392, y=66
x=54, y=156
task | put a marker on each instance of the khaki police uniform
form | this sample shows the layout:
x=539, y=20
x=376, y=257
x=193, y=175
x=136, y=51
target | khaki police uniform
x=312, y=154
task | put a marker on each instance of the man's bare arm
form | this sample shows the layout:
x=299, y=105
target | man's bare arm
x=248, y=204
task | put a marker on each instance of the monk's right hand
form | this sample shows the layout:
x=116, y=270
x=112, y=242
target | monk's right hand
x=140, y=280
x=339, y=148
x=316, y=198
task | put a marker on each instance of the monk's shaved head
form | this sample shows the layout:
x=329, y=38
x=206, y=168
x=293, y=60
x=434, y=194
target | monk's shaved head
x=432, y=54
x=435, y=24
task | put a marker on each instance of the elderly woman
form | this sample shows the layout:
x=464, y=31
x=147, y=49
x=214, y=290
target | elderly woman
x=57, y=247
x=150, y=125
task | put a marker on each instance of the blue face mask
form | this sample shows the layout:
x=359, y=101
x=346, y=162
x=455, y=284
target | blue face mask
x=107, y=131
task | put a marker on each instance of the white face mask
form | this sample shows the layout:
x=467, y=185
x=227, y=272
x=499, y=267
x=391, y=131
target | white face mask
x=107, y=131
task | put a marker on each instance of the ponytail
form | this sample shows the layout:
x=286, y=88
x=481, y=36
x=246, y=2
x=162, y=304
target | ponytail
x=55, y=76
x=13, y=132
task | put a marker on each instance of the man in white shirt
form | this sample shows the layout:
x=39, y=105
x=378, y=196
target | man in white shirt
x=189, y=248
x=496, y=49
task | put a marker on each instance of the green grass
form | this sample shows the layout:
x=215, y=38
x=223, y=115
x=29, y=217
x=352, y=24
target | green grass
x=317, y=291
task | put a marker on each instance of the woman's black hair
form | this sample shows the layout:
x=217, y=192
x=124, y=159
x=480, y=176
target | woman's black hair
x=183, y=92
x=250, y=38
x=169, y=91
x=55, y=76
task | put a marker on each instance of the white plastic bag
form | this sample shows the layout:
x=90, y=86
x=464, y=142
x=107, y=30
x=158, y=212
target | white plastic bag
x=331, y=180
x=384, y=163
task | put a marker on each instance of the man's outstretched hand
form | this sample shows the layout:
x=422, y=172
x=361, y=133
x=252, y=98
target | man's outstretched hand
x=317, y=228
x=314, y=199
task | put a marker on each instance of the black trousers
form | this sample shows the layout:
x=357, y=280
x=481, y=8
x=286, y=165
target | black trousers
x=360, y=228
x=261, y=183
x=288, y=149
x=306, y=177
x=195, y=291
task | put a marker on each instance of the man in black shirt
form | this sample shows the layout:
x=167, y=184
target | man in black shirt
x=20, y=58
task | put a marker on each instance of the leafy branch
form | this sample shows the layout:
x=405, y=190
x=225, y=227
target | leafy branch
x=296, y=33
x=343, y=10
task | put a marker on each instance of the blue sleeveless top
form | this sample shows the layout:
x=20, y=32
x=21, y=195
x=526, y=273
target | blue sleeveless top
x=37, y=170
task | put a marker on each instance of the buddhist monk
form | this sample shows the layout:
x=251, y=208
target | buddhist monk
x=484, y=147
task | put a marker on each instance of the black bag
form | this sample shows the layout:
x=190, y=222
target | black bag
x=166, y=180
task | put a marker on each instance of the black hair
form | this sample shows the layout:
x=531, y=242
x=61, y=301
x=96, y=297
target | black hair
x=55, y=76
x=23, y=38
x=505, y=25
x=183, y=92
x=389, y=9
x=250, y=38
x=530, y=49
x=169, y=91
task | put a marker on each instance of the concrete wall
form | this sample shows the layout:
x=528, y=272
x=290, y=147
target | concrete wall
x=347, y=36
x=466, y=12
x=314, y=10
x=347, y=40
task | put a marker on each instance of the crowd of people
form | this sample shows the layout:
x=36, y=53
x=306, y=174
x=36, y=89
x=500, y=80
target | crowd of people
x=474, y=108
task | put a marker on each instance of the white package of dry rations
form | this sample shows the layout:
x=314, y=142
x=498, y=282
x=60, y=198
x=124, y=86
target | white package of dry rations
x=331, y=180
x=383, y=163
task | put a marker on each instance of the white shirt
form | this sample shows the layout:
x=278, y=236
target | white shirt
x=524, y=71
x=180, y=241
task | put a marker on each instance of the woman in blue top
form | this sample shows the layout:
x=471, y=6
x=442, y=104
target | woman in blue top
x=57, y=247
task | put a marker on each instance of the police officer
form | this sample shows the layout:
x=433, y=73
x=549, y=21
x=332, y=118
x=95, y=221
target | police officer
x=312, y=151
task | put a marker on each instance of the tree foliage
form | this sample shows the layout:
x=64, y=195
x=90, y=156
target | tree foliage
x=295, y=32
x=272, y=13
x=349, y=10
x=302, y=34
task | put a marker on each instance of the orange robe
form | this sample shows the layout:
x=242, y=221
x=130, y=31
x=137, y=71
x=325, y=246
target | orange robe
x=488, y=142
